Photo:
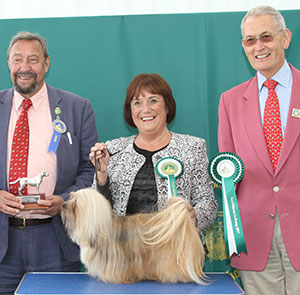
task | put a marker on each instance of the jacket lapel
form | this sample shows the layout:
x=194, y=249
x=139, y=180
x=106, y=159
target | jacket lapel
x=253, y=123
x=293, y=123
x=54, y=101
x=5, y=108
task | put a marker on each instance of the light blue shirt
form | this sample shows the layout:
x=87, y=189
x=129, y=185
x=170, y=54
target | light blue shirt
x=284, y=77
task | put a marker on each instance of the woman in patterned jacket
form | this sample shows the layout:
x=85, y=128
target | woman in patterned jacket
x=132, y=171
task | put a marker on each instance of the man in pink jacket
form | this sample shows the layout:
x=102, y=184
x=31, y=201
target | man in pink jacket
x=268, y=197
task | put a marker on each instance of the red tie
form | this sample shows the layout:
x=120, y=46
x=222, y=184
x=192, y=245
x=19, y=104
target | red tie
x=19, y=149
x=272, y=123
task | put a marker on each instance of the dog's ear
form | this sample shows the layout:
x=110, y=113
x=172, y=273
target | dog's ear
x=93, y=243
x=74, y=206
x=72, y=202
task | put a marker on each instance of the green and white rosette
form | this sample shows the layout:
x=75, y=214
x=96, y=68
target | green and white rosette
x=227, y=169
x=170, y=168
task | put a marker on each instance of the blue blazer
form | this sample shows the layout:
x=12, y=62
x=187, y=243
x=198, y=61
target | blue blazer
x=74, y=169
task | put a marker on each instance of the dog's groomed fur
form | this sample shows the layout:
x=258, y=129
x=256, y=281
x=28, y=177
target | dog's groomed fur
x=162, y=246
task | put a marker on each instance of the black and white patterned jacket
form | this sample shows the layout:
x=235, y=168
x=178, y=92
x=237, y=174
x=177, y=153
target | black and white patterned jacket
x=194, y=185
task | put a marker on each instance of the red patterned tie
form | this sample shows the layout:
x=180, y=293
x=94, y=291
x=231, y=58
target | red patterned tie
x=19, y=149
x=272, y=123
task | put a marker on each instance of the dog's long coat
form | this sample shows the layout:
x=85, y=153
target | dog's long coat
x=162, y=246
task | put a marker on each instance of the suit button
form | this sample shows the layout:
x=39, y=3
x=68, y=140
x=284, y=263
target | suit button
x=271, y=216
x=276, y=189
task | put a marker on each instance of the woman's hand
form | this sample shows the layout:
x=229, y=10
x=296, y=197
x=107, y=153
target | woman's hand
x=192, y=212
x=99, y=156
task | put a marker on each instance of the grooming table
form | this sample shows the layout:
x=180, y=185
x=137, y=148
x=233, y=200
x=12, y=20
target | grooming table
x=80, y=283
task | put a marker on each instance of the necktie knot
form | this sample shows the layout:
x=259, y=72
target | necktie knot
x=26, y=104
x=270, y=84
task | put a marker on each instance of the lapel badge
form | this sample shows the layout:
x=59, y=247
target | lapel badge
x=296, y=113
x=57, y=111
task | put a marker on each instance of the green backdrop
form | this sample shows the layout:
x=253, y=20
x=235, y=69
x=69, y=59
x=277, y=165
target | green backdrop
x=200, y=55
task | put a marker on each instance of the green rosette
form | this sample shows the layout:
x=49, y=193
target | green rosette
x=226, y=165
x=170, y=168
x=227, y=169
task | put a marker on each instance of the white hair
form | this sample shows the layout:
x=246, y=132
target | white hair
x=265, y=10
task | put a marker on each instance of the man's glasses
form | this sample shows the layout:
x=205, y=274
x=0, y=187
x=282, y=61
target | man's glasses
x=265, y=38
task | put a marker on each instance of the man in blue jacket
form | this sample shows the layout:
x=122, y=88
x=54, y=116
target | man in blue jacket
x=61, y=131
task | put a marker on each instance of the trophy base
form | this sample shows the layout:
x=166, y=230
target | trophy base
x=30, y=202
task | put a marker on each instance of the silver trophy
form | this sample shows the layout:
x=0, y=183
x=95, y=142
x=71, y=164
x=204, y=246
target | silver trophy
x=30, y=200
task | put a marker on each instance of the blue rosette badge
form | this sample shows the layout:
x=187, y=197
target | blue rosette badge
x=227, y=169
x=59, y=127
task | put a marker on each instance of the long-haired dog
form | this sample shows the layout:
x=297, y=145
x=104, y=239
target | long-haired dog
x=163, y=246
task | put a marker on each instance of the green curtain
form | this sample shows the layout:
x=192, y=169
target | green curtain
x=199, y=54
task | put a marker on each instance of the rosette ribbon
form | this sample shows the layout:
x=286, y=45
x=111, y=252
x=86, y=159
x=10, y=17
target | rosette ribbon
x=227, y=169
x=170, y=168
x=59, y=127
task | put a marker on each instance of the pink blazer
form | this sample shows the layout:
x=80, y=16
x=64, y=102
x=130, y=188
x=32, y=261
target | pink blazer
x=260, y=192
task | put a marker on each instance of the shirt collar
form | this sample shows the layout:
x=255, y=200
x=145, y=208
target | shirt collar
x=36, y=99
x=283, y=77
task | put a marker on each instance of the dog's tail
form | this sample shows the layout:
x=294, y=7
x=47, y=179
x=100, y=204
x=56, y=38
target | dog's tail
x=13, y=182
x=174, y=225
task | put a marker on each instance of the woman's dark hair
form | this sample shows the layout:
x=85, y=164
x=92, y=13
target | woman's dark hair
x=154, y=84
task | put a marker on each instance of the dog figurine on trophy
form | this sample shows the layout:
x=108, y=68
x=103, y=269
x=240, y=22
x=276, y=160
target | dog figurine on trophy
x=30, y=200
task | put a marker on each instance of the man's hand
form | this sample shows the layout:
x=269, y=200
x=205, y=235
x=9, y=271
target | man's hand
x=53, y=203
x=10, y=204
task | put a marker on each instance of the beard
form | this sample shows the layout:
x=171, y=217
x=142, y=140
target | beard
x=25, y=90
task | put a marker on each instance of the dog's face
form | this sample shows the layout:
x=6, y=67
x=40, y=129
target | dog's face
x=83, y=216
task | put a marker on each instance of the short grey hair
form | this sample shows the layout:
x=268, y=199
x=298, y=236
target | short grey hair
x=29, y=37
x=266, y=10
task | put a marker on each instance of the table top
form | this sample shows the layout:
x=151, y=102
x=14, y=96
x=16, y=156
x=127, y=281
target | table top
x=81, y=283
